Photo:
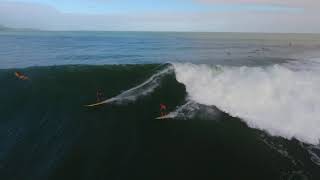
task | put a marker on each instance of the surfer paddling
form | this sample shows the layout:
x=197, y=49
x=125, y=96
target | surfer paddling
x=21, y=76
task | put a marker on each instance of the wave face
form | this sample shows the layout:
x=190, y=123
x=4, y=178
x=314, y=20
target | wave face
x=46, y=132
x=278, y=99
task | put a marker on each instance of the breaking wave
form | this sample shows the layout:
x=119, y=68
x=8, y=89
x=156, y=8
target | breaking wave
x=280, y=99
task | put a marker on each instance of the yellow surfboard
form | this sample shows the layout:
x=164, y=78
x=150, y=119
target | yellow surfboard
x=97, y=104
x=164, y=117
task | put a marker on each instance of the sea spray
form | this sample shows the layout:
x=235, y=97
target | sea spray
x=191, y=110
x=142, y=89
x=275, y=98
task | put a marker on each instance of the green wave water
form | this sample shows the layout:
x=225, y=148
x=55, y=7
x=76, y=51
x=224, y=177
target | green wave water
x=47, y=133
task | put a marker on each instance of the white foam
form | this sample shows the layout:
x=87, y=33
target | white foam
x=314, y=153
x=278, y=99
x=191, y=110
x=140, y=90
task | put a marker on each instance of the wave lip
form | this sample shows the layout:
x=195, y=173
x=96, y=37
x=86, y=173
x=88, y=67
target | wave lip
x=142, y=89
x=277, y=99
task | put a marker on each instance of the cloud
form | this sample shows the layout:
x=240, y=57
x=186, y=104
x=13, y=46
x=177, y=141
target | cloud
x=33, y=15
x=289, y=3
x=26, y=14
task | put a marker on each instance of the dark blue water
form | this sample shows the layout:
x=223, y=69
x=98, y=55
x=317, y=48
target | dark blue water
x=24, y=49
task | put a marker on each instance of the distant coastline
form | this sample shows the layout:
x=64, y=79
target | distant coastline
x=5, y=28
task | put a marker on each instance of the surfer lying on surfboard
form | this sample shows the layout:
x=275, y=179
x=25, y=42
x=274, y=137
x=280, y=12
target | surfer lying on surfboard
x=21, y=76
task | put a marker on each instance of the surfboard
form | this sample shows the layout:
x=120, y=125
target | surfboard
x=163, y=117
x=97, y=104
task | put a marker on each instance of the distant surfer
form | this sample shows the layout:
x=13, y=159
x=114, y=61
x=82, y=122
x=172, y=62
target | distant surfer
x=163, y=109
x=21, y=76
x=99, y=95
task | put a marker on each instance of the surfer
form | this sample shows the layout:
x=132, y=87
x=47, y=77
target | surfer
x=21, y=76
x=99, y=95
x=163, y=109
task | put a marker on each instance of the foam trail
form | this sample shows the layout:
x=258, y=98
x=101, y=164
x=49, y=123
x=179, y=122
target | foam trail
x=191, y=110
x=181, y=112
x=143, y=89
x=280, y=100
x=314, y=151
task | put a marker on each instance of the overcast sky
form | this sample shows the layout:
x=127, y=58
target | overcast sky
x=300, y=16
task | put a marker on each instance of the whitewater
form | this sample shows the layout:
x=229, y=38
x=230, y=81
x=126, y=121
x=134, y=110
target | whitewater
x=281, y=99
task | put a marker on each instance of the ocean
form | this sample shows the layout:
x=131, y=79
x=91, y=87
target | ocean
x=239, y=106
